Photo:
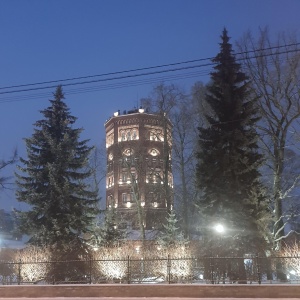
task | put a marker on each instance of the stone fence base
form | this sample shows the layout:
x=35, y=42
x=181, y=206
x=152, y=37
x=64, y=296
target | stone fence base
x=152, y=290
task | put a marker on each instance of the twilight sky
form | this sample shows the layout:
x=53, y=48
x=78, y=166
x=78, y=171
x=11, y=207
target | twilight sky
x=45, y=41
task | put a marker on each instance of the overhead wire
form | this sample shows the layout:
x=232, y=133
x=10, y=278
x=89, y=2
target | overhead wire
x=110, y=86
x=146, y=68
x=130, y=76
x=107, y=79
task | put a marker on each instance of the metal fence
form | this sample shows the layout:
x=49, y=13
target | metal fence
x=197, y=270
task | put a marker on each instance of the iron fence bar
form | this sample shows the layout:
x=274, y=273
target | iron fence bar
x=212, y=270
x=169, y=269
x=128, y=269
x=90, y=269
x=258, y=269
x=19, y=272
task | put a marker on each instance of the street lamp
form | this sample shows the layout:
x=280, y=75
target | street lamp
x=219, y=228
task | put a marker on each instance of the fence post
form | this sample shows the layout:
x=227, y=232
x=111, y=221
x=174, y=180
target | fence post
x=212, y=270
x=128, y=270
x=90, y=266
x=258, y=269
x=53, y=276
x=169, y=269
x=19, y=272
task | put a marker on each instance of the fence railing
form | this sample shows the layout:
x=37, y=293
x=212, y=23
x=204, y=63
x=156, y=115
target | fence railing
x=200, y=270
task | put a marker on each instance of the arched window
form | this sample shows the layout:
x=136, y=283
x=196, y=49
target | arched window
x=154, y=152
x=134, y=134
x=128, y=152
x=128, y=135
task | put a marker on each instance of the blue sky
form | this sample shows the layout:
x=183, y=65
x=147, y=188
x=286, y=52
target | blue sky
x=59, y=39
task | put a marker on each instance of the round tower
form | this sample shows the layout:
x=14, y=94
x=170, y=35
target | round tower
x=139, y=180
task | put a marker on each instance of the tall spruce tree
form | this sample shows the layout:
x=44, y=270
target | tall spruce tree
x=52, y=182
x=228, y=158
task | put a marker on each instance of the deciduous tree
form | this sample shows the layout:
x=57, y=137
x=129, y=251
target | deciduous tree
x=274, y=69
x=4, y=163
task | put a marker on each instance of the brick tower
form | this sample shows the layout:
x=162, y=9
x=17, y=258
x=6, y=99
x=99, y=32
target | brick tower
x=139, y=181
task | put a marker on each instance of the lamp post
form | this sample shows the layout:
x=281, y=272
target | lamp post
x=219, y=229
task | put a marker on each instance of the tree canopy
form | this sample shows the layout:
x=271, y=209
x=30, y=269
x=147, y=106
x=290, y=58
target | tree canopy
x=53, y=180
x=228, y=158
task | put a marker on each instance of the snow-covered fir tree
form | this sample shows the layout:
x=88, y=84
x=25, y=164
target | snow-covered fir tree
x=53, y=182
x=171, y=234
x=229, y=160
x=110, y=234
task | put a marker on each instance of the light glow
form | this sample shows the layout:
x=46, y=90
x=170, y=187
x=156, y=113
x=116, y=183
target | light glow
x=219, y=228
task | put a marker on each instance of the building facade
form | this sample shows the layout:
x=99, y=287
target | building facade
x=139, y=180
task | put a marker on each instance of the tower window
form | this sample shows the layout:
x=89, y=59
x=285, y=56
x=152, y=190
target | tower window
x=128, y=152
x=156, y=135
x=123, y=136
x=124, y=176
x=109, y=139
x=134, y=135
x=131, y=197
x=154, y=152
x=124, y=198
x=128, y=136
x=127, y=133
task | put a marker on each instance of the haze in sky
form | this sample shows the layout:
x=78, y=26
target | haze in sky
x=43, y=41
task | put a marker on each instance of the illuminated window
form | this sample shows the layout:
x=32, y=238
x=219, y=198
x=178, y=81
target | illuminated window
x=109, y=139
x=156, y=135
x=154, y=152
x=124, y=176
x=134, y=135
x=128, y=136
x=127, y=133
x=123, y=136
x=153, y=136
x=124, y=198
x=128, y=152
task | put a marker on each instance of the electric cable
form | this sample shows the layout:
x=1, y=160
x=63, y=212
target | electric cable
x=136, y=82
x=147, y=68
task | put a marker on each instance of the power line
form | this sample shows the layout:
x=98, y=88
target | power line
x=110, y=86
x=136, y=82
x=145, y=68
x=108, y=79
x=106, y=74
